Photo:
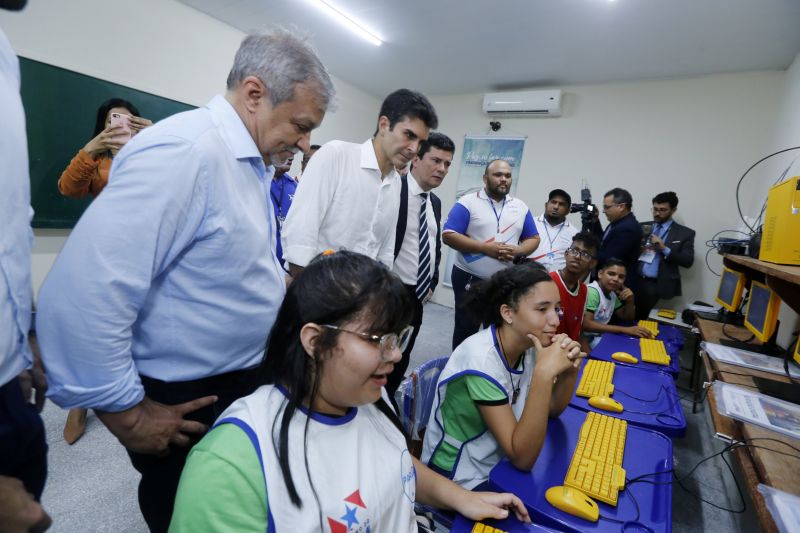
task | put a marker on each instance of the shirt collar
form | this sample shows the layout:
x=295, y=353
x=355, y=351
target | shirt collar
x=234, y=132
x=368, y=157
x=664, y=225
x=413, y=186
x=543, y=220
x=482, y=194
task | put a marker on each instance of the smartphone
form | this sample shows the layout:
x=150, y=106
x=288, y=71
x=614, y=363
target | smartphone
x=120, y=119
x=647, y=231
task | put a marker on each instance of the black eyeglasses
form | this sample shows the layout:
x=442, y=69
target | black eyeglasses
x=387, y=342
x=607, y=207
x=575, y=252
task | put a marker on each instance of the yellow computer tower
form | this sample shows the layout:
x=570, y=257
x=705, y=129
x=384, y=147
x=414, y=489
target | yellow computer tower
x=780, y=242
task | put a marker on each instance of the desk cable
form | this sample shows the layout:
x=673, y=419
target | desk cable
x=746, y=443
x=676, y=398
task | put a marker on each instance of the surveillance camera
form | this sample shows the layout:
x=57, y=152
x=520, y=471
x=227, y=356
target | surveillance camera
x=495, y=125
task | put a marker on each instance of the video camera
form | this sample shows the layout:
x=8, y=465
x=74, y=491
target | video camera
x=586, y=208
x=586, y=205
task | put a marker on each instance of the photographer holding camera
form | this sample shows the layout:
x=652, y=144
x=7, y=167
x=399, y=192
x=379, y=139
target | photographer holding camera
x=622, y=238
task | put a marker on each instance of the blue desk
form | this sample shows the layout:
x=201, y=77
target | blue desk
x=645, y=452
x=673, y=337
x=615, y=342
x=664, y=415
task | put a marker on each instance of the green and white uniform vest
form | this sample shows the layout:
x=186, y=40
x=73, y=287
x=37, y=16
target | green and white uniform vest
x=359, y=465
x=603, y=307
x=462, y=449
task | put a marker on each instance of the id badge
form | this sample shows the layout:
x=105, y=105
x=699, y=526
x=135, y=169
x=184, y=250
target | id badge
x=647, y=256
x=498, y=237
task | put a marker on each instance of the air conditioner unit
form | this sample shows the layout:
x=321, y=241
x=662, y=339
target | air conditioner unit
x=532, y=103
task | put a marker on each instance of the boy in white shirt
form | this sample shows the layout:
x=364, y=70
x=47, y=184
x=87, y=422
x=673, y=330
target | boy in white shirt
x=608, y=296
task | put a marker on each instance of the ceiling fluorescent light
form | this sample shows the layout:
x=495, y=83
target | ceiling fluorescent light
x=347, y=21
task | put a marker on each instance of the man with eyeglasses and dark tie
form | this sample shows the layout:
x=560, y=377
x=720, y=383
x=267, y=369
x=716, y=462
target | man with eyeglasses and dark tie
x=418, y=237
x=622, y=238
x=581, y=258
x=669, y=246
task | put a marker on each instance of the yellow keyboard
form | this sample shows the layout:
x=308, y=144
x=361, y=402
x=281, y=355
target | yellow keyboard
x=667, y=313
x=480, y=527
x=654, y=351
x=652, y=325
x=596, y=379
x=596, y=467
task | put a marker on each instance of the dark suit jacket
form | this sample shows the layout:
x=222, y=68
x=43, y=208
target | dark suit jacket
x=402, y=219
x=680, y=241
x=624, y=241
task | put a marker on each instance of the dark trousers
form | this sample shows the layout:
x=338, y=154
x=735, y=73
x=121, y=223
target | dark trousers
x=160, y=475
x=646, y=297
x=400, y=368
x=23, y=448
x=465, y=325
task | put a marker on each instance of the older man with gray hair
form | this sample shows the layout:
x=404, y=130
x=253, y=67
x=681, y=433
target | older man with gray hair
x=157, y=310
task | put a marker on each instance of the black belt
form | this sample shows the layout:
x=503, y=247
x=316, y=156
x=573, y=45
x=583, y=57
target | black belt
x=645, y=278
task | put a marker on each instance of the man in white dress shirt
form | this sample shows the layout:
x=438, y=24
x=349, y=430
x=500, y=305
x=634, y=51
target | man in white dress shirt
x=555, y=231
x=349, y=196
x=418, y=239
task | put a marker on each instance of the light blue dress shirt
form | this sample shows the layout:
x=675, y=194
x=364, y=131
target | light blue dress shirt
x=171, y=272
x=16, y=237
x=650, y=270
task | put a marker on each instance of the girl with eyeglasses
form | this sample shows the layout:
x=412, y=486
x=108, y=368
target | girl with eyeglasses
x=317, y=447
x=501, y=384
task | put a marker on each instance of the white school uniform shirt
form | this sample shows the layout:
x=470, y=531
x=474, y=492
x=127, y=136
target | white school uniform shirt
x=342, y=203
x=406, y=266
x=554, y=241
x=479, y=217
x=479, y=355
x=359, y=464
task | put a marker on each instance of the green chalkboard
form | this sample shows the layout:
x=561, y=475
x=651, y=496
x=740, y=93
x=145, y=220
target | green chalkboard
x=61, y=106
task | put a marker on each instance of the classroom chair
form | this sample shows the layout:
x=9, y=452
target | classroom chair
x=414, y=399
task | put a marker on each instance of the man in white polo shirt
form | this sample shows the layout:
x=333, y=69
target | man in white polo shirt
x=487, y=228
x=349, y=197
x=555, y=231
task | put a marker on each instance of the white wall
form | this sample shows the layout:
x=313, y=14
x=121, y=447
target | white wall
x=692, y=136
x=158, y=46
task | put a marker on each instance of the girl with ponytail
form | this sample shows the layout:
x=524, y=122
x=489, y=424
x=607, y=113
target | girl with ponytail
x=501, y=384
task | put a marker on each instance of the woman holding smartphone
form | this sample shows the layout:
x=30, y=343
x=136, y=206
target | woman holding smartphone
x=501, y=385
x=87, y=173
x=317, y=447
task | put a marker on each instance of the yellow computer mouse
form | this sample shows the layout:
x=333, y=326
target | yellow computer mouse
x=623, y=357
x=605, y=403
x=573, y=501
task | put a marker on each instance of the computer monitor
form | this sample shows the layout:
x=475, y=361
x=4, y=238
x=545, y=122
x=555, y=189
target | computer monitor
x=729, y=292
x=762, y=311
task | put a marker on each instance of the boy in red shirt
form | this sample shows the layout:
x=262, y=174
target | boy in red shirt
x=581, y=258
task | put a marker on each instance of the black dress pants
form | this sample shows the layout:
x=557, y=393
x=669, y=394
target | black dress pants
x=646, y=297
x=160, y=475
x=465, y=325
x=23, y=448
x=399, y=372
